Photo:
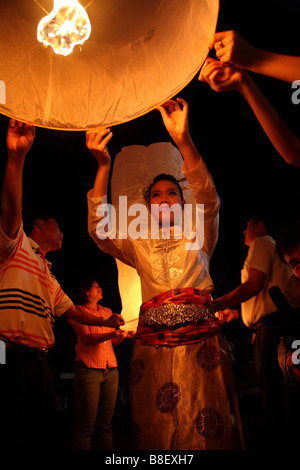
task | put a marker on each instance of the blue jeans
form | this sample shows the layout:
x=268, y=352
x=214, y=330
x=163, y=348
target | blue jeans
x=95, y=394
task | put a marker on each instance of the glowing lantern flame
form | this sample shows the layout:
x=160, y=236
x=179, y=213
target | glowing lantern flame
x=65, y=27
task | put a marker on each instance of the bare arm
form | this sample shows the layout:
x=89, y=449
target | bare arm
x=225, y=77
x=20, y=138
x=243, y=292
x=282, y=138
x=82, y=316
x=91, y=339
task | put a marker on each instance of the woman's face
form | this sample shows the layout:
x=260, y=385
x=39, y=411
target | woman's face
x=163, y=195
x=94, y=293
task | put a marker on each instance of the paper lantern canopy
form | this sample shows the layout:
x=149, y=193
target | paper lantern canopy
x=136, y=55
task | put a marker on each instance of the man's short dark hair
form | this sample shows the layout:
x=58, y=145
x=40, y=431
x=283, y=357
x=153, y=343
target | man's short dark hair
x=30, y=218
x=261, y=216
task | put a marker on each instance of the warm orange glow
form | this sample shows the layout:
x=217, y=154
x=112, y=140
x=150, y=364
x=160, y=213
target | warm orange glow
x=65, y=27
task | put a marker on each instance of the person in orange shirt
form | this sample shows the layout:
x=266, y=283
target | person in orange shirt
x=96, y=373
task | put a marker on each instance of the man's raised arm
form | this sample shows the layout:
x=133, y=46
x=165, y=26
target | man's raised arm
x=20, y=137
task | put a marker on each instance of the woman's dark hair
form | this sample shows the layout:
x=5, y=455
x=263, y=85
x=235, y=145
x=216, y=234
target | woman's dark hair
x=84, y=286
x=161, y=177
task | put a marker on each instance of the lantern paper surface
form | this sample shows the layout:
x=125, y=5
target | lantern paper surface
x=134, y=167
x=139, y=54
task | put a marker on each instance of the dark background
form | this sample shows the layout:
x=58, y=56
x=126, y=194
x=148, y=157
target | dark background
x=247, y=170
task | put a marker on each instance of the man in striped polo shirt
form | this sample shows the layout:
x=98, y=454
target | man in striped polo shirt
x=30, y=299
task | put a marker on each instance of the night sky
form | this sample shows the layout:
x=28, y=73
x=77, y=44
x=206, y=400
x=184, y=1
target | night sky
x=247, y=170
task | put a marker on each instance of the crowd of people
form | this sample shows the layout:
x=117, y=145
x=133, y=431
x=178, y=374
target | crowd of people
x=182, y=387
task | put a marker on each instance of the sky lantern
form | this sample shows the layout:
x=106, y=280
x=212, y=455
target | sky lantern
x=74, y=65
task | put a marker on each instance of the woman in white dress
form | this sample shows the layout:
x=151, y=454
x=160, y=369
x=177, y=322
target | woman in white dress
x=182, y=387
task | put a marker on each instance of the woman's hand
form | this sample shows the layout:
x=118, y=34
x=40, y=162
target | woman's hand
x=96, y=141
x=175, y=118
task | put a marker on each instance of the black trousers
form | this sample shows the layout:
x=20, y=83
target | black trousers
x=270, y=377
x=27, y=403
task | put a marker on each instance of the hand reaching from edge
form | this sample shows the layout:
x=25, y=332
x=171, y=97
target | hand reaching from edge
x=230, y=47
x=20, y=137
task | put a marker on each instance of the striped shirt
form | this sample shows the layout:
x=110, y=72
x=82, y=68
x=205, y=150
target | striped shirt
x=30, y=296
x=97, y=356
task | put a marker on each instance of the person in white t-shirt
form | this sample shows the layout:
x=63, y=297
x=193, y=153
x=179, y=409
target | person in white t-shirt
x=262, y=269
